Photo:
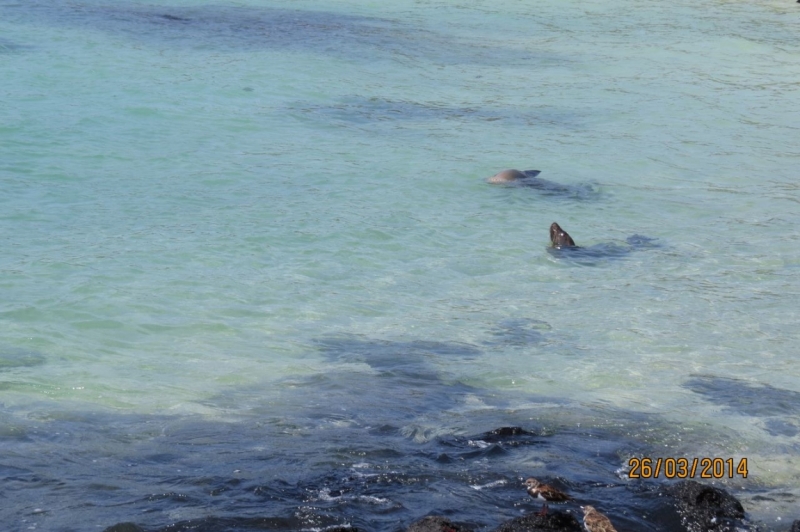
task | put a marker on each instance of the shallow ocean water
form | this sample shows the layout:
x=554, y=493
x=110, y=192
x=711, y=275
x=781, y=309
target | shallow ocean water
x=251, y=267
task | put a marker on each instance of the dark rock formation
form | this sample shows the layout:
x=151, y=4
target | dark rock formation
x=435, y=523
x=504, y=432
x=706, y=508
x=553, y=521
x=686, y=506
x=218, y=524
x=124, y=527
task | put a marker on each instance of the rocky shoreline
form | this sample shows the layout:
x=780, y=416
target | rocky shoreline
x=668, y=506
x=687, y=506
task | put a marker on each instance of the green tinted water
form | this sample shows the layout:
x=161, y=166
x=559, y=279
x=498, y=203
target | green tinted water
x=190, y=204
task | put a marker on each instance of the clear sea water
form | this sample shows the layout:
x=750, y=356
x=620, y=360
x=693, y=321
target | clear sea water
x=249, y=253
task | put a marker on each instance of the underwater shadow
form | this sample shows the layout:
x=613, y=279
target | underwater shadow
x=603, y=252
x=519, y=332
x=238, y=27
x=360, y=110
x=779, y=408
x=10, y=47
x=401, y=388
x=20, y=358
x=377, y=441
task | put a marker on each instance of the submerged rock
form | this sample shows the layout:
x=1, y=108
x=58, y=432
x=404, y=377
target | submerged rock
x=124, y=527
x=553, y=521
x=686, y=506
x=339, y=497
x=435, y=523
x=224, y=524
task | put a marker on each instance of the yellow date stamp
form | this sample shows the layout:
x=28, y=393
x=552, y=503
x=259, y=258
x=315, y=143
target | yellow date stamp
x=687, y=467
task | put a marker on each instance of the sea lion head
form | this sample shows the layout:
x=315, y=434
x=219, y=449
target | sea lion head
x=560, y=238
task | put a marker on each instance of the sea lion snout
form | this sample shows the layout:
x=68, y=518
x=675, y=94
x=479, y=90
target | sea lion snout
x=560, y=238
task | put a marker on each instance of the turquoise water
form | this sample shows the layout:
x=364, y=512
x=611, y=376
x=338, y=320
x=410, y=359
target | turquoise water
x=199, y=200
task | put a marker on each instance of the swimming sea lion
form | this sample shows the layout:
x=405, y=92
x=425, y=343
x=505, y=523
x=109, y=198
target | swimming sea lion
x=512, y=176
x=562, y=246
x=530, y=179
x=560, y=238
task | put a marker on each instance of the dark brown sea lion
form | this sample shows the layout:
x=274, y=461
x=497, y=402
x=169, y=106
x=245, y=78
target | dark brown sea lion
x=531, y=179
x=560, y=238
x=562, y=246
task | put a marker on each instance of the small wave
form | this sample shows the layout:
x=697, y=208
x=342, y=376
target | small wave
x=489, y=485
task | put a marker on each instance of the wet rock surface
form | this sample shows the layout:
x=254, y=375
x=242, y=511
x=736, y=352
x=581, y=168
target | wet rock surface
x=685, y=506
x=216, y=524
x=435, y=523
x=555, y=521
x=707, y=508
x=125, y=527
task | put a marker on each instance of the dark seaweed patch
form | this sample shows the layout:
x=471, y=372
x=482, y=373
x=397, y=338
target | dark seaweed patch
x=20, y=358
x=780, y=427
x=746, y=398
x=363, y=110
x=174, y=18
x=405, y=386
x=228, y=27
x=10, y=47
x=392, y=355
x=519, y=332
x=218, y=26
x=642, y=242
x=779, y=407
